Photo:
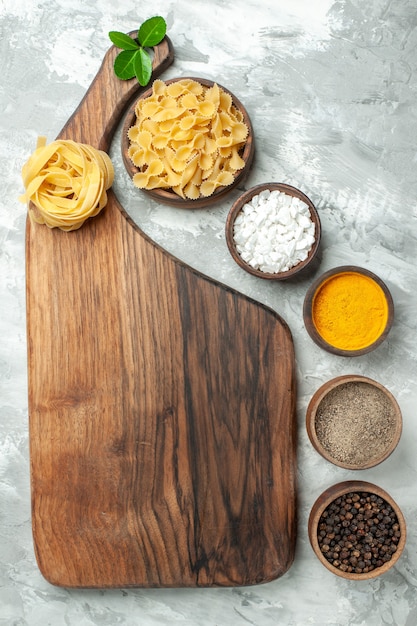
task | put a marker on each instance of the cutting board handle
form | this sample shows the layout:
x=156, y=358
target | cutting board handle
x=98, y=114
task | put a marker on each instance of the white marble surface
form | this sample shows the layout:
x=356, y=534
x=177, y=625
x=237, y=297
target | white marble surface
x=331, y=88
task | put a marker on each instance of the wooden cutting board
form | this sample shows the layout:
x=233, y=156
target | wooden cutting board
x=161, y=403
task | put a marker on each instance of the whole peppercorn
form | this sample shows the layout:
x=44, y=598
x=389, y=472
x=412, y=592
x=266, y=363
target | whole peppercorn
x=358, y=532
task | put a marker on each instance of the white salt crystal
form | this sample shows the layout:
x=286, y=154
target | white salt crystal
x=300, y=245
x=290, y=248
x=259, y=218
x=264, y=195
x=274, y=231
x=239, y=238
x=303, y=220
x=247, y=209
x=284, y=215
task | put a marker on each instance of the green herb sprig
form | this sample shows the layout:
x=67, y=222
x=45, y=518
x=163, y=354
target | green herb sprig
x=135, y=60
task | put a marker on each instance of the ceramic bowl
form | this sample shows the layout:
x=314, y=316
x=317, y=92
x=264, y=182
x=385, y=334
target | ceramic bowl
x=168, y=196
x=382, y=293
x=367, y=540
x=246, y=197
x=354, y=422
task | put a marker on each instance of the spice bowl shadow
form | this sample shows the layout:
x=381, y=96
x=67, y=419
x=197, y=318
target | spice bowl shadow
x=168, y=196
x=348, y=311
x=354, y=422
x=356, y=530
x=309, y=262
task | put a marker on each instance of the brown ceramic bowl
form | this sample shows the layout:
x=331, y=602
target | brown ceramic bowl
x=330, y=496
x=169, y=197
x=247, y=197
x=316, y=290
x=354, y=422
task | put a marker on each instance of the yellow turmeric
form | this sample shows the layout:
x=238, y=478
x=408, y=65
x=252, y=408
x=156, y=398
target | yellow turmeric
x=350, y=311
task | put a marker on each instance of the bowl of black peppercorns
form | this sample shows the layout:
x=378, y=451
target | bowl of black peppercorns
x=357, y=530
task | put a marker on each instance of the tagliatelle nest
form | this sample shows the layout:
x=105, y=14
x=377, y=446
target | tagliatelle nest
x=188, y=138
x=66, y=183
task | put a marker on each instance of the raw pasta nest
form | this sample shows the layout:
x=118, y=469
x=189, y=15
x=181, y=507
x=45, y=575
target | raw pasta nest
x=188, y=138
x=66, y=183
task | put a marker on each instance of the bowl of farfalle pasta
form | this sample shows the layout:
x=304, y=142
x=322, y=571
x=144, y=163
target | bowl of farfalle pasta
x=187, y=142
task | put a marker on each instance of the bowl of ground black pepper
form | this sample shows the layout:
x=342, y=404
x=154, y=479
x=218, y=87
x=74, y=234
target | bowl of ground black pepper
x=354, y=422
x=348, y=311
x=357, y=530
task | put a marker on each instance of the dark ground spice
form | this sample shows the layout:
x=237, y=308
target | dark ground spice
x=355, y=423
x=358, y=532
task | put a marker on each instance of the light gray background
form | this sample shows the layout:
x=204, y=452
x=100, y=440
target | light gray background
x=330, y=86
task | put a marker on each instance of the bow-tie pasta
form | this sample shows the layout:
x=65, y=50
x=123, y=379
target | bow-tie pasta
x=188, y=138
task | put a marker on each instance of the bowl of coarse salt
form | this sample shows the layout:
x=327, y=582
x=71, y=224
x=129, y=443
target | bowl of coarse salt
x=273, y=231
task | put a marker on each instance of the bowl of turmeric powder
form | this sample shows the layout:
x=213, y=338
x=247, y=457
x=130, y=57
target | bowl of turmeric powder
x=348, y=311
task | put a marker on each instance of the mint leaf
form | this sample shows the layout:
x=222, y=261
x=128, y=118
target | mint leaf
x=123, y=41
x=134, y=60
x=124, y=64
x=143, y=67
x=152, y=31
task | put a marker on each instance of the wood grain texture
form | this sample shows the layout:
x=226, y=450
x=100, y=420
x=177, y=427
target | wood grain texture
x=161, y=404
